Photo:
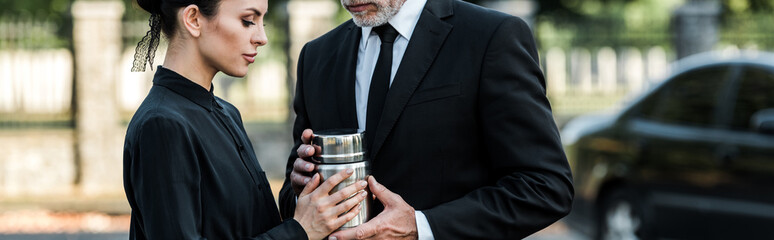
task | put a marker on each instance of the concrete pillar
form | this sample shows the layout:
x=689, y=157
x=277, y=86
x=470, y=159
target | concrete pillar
x=580, y=70
x=606, y=70
x=556, y=72
x=6, y=79
x=307, y=20
x=97, y=43
x=695, y=27
x=658, y=64
x=525, y=9
x=634, y=69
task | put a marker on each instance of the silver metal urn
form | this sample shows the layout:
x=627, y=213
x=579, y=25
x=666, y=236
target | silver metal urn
x=341, y=149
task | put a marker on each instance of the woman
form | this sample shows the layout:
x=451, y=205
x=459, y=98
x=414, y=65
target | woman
x=189, y=168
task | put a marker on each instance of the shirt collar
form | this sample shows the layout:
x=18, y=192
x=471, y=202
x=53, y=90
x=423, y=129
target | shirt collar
x=404, y=21
x=177, y=83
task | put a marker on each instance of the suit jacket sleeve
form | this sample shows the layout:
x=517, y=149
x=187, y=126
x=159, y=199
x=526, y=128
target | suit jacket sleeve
x=522, y=144
x=287, y=197
x=289, y=229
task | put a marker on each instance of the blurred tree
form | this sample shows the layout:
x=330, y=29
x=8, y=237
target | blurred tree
x=54, y=9
x=611, y=23
x=748, y=6
x=55, y=13
x=584, y=8
x=566, y=22
x=59, y=9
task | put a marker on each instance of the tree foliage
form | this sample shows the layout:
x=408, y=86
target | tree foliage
x=574, y=19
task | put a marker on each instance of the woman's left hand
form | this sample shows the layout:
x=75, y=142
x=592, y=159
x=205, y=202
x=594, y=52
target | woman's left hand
x=320, y=213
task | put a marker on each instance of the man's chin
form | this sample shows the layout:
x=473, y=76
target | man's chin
x=367, y=21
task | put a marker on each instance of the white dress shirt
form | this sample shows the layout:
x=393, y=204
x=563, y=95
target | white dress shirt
x=368, y=52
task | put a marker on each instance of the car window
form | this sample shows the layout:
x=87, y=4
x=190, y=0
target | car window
x=756, y=92
x=688, y=99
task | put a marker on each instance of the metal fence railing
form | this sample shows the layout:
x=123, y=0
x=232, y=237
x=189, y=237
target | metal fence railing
x=591, y=64
x=748, y=31
x=31, y=33
x=36, y=72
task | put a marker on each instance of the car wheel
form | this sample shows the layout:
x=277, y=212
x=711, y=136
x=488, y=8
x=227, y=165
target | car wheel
x=620, y=218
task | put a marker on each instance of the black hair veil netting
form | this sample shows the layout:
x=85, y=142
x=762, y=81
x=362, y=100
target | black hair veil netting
x=146, y=48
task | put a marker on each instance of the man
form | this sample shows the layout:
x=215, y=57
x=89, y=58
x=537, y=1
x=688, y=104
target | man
x=459, y=129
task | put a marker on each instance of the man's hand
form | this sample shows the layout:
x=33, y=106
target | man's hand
x=303, y=167
x=395, y=222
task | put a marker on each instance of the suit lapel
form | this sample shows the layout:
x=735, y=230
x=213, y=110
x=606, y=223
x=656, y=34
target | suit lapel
x=426, y=41
x=345, y=72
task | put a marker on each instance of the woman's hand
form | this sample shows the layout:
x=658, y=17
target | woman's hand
x=320, y=213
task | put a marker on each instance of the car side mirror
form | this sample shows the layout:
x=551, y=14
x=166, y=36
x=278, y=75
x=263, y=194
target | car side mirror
x=763, y=121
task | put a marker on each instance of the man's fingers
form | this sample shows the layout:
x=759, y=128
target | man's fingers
x=311, y=185
x=307, y=135
x=364, y=231
x=298, y=182
x=332, y=181
x=302, y=166
x=299, y=179
x=317, y=149
x=381, y=192
x=300, y=174
x=305, y=151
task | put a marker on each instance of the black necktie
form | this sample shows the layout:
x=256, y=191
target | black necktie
x=380, y=80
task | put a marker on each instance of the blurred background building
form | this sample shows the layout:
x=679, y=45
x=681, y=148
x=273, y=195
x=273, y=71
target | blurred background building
x=66, y=92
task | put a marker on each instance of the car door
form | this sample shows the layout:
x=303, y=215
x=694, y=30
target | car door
x=675, y=133
x=746, y=203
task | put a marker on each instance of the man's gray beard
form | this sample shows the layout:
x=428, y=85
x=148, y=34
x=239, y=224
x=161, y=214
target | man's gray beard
x=382, y=16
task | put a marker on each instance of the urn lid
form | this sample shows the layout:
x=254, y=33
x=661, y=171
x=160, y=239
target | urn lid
x=339, y=146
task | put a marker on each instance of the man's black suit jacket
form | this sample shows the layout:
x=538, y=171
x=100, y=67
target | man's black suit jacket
x=466, y=136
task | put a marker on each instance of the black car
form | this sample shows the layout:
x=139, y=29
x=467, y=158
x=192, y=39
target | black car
x=691, y=159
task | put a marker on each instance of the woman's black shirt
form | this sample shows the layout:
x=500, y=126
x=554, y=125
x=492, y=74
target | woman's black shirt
x=190, y=171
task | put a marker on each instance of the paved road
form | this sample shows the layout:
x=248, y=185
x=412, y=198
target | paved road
x=67, y=236
x=558, y=231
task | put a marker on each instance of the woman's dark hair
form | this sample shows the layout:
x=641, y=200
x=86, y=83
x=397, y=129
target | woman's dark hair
x=164, y=19
x=167, y=10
